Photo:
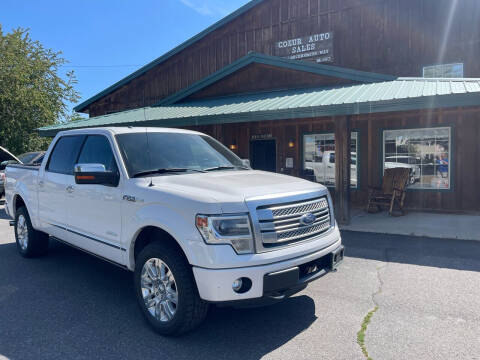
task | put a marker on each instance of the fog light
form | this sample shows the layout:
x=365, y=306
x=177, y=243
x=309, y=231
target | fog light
x=237, y=285
x=242, y=285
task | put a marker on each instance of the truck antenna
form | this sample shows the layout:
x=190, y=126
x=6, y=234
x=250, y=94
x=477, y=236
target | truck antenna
x=148, y=151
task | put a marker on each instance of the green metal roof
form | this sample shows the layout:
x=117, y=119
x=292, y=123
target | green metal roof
x=398, y=95
x=299, y=65
x=168, y=55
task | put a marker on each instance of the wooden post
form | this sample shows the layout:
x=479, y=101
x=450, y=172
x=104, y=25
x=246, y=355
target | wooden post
x=342, y=169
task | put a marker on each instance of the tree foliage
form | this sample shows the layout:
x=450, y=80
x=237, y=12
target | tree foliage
x=32, y=92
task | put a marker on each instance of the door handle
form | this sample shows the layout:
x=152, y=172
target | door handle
x=70, y=189
x=41, y=183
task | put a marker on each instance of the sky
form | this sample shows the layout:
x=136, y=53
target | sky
x=106, y=40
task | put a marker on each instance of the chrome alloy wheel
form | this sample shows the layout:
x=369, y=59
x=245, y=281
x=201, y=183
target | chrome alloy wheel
x=22, y=232
x=159, y=290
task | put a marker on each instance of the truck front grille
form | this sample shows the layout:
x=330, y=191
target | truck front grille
x=281, y=224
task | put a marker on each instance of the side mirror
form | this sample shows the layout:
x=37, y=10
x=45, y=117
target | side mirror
x=95, y=174
x=246, y=162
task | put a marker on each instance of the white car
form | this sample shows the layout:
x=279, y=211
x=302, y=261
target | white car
x=194, y=223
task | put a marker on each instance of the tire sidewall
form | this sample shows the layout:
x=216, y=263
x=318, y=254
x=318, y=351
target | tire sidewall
x=23, y=211
x=176, y=266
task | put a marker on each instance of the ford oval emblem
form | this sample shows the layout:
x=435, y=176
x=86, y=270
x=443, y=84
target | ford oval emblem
x=308, y=219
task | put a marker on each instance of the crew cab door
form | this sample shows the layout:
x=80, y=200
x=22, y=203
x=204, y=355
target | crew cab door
x=94, y=211
x=53, y=182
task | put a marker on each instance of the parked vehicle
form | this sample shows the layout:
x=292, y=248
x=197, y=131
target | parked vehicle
x=324, y=168
x=194, y=223
x=6, y=158
x=405, y=161
x=32, y=158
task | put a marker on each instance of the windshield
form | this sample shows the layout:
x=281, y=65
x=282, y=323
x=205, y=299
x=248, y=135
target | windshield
x=149, y=152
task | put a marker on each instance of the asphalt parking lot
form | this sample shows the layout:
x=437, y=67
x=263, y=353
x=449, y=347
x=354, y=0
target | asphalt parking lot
x=71, y=305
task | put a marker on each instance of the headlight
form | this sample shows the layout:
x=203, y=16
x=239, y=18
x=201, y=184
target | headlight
x=233, y=230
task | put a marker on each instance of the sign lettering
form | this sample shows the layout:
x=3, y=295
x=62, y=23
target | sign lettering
x=317, y=47
x=261, y=136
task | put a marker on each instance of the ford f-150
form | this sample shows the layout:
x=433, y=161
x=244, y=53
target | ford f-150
x=192, y=220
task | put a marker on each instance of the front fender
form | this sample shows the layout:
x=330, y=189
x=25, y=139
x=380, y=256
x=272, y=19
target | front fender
x=179, y=225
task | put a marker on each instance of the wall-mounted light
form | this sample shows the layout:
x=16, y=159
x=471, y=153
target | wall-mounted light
x=233, y=146
x=291, y=143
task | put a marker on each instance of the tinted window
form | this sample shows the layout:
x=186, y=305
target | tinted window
x=97, y=150
x=28, y=157
x=39, y=160
x=65, y=154
x=142, y=152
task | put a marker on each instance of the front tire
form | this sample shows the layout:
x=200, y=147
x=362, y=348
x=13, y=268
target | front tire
x=30, y=242
x=166, y=290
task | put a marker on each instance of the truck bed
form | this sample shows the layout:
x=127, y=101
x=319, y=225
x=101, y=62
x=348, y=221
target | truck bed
x=26, y=167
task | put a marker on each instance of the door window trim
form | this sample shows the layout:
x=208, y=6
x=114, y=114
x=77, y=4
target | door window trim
x=109, y=143
x=47, y=165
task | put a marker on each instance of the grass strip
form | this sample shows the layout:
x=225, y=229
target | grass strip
x=363, y=330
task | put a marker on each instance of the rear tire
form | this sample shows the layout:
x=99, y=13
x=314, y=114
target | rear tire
x=30, y=242
x=164, y=281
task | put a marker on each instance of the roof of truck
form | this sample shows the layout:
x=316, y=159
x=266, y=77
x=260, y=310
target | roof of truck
x=127, y=129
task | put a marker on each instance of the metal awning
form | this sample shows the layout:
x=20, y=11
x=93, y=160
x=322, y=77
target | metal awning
x=401, y=94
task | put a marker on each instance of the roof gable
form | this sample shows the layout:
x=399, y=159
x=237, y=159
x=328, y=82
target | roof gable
x=323, y=75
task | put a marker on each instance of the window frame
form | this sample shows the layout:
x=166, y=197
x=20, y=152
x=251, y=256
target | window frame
x=109, y=143
x=451, y=152
x=47, y=165
x=327, y=132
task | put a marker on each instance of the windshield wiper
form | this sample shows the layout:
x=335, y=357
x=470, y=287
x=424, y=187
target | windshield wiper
x=165, y=171
x=215, y=168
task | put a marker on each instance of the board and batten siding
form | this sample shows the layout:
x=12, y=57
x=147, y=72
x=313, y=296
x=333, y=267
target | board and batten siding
x=464, y=194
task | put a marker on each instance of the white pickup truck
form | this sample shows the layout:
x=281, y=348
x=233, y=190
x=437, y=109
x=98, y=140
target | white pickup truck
x=323, y=168
x=193, y=222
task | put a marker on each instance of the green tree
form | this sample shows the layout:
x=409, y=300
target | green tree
x=32, y=92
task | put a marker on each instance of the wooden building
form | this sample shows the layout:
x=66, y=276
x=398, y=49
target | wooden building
x=333, y=90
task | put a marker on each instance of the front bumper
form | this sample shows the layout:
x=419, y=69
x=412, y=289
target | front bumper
x=272, y=281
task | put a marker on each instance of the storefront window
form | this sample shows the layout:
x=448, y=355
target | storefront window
x=319, y=158
x=426, y=152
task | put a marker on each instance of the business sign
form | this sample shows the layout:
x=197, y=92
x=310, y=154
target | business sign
x=317, y=47
x=261, y=136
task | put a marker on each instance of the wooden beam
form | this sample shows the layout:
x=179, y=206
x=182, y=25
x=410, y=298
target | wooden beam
x=342, y=169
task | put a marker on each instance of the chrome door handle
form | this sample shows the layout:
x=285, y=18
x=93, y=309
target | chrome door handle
x=70, y=189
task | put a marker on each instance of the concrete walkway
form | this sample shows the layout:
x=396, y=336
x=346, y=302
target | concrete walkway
x=434, y=225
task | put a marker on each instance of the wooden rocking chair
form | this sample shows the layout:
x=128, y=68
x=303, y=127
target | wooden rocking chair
x=392, y=193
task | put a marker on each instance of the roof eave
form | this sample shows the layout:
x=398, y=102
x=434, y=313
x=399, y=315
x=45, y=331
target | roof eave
x=396, y=105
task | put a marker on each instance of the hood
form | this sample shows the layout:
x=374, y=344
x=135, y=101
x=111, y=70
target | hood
x=225, y=186
x=7, y=155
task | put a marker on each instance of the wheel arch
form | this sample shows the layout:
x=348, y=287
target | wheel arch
x=17, y=202
x=147, y=235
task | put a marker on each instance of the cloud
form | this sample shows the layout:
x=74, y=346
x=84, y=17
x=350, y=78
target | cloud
x=206, y=7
